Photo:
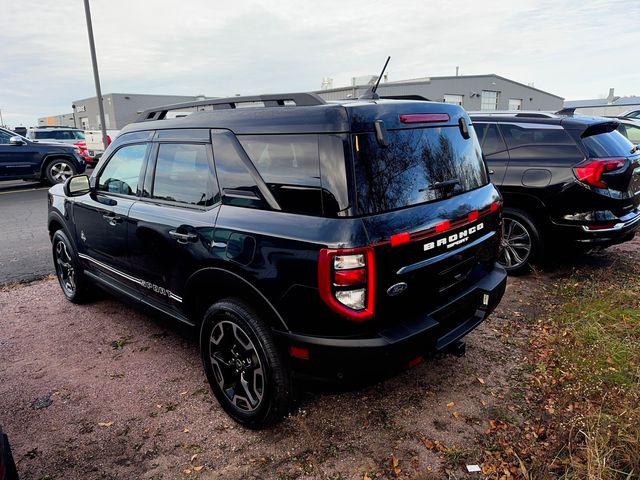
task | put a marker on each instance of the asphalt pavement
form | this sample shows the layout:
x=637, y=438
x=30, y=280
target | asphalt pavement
x=25, y=250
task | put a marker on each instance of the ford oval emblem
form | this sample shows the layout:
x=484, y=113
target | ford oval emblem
x=396, y=289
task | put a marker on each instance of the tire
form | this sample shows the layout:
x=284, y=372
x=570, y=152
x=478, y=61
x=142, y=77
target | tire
x=245, y=369
x=58, y=170
x=68, y=270
x=522, y=244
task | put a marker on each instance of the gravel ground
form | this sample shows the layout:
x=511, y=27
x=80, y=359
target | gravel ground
x=103, y=391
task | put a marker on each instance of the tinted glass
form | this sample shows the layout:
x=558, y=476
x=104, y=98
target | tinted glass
x=493, y=142
x=183, y=174
x=333, y=173
x=290, y=166
x=631, y=132
x=237, y=185
x=400, y=175
x=59, y=135
x=4, y=137
x=610, y=144
x=518, y=135
x=122, y=172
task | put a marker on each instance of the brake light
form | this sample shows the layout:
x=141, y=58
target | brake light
x=591, y=172
x=347, y=282
x=473, y=216
x=108, y=140
x=424, y=117
x=400, y=239
x=443, y=226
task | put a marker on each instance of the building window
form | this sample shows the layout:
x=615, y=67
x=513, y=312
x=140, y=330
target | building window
x=489, y=100
x=454, y=99
x=515, y=104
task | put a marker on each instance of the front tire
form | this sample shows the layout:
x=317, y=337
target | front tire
x=244, y=367
x=68, y=271
x=521, y=242
x=59, y=170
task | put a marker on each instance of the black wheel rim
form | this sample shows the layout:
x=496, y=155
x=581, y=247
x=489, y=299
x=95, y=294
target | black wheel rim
x=64, y=269
x=236, y=365
x=516, y=244
x=60, y=171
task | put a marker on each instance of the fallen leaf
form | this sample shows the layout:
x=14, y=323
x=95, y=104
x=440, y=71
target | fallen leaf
x=105, y=424
x=193, y=457
x=186, y=430
x=187, y=471
x=198, y=468
x=484, y=404
x=183, y=393
x=481, y=380
x=366, y=477
x=428, y=443
x=451, y=404
x=396, y=466
x=456, y=414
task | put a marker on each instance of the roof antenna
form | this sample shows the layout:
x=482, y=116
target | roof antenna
x=371, y=94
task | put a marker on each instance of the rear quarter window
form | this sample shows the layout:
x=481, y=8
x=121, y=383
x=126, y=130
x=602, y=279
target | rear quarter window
x=609, y=144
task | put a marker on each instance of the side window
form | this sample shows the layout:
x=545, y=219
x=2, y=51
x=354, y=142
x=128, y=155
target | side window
x=122, y=172
x=290, y=166
x=4, y=137
x=519, y=135
x=493, y=142
x=184, y=174
x=631, y=132
x=236, y=182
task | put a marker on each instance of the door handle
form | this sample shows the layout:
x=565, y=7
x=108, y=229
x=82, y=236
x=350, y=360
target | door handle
x=112, y=218
x=183, y=237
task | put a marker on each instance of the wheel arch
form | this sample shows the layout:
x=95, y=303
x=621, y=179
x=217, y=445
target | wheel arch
x=50, y=158
x=210, y=284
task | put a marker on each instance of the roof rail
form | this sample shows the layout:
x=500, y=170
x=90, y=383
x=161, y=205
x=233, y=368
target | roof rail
x=273, y=100
x=513, y=113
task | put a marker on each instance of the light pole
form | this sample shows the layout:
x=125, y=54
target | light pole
x=96, y=77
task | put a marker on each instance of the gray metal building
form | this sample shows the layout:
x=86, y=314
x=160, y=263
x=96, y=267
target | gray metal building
x=120, y=109
x=473, y=92
x=611, y=106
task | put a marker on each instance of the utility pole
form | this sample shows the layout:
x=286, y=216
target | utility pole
x=96, y=77
x=1, y=120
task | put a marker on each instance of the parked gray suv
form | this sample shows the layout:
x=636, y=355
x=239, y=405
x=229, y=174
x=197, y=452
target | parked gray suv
x=68, y=135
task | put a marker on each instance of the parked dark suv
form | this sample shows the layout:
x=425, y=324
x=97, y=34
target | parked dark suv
x=23, y=159
x=570, y=180
x=302, y=238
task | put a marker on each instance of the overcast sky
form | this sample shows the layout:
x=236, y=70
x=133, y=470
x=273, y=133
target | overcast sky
x=572, y=48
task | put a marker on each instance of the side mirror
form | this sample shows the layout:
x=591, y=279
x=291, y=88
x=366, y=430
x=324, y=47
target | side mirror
x=17, y=141
x=76, y=185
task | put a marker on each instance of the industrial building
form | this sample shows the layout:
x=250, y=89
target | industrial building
x=612, y=105
x=120, y=109
x=473, y=92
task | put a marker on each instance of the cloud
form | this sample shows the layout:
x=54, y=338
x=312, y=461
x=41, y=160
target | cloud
x=567, y=47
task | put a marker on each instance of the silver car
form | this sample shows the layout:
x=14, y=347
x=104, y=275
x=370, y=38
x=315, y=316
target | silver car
x=68, y=135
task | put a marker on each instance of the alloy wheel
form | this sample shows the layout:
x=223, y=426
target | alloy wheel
x=516, y=243
x=236, y=365
x=60, y=171
x=64, y=269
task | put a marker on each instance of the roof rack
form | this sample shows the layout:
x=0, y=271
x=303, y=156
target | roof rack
x=55, y=126
x=274, y=100
x=513, y=113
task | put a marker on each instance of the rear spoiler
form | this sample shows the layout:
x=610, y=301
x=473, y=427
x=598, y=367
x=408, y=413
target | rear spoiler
x=595, y=129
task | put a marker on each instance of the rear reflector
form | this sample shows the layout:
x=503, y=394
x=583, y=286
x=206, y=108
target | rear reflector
x=495, y=206
x=415, y=361
x=603, y=226
x=299, y=352
x=400, y=238
x=424, y=117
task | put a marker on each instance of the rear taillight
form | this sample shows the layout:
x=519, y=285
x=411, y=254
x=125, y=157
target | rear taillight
x=591, y=172
x=347, y=282
x=424, y=117
x=108, y=140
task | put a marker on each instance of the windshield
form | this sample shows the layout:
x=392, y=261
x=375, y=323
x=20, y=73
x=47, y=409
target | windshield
x=59, y=135
x=419, y=165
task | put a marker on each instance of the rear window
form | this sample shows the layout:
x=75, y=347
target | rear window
x=404, y=173
x=609, y=144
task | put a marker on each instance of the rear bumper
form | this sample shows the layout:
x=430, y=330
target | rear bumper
x=593, y=235
x=356, y=358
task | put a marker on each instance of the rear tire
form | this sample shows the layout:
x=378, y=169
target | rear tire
x=522, y=244
x=68, y=270
x=59, y=170
x=245, y=369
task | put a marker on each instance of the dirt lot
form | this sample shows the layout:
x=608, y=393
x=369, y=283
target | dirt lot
x=103, y=391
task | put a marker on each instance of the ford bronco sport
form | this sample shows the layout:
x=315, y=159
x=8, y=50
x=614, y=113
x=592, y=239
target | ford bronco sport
x=304, y=240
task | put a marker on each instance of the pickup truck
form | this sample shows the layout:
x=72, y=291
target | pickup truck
x=95, y=145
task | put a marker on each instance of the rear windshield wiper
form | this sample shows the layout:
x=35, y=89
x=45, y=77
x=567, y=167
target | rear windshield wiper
x=442, y=185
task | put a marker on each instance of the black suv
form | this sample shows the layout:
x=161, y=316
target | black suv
x=303, y=239
x=570, y=180
x=23, y=159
